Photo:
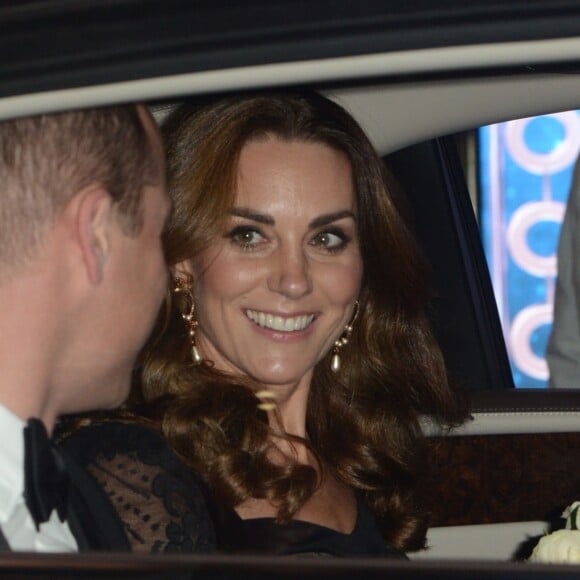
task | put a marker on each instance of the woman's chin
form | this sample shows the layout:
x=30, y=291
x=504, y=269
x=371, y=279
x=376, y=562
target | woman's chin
x=279, y=376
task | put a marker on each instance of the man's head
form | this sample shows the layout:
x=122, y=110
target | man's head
x=83, y=206
x=45, y=160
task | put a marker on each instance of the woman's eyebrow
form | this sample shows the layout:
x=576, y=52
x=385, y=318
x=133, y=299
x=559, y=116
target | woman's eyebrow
x=326, y=219
x=253, y=215
x=267, y=219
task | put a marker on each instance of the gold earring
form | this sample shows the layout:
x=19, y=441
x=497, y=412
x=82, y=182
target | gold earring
x=184, y=286
x=335, y=361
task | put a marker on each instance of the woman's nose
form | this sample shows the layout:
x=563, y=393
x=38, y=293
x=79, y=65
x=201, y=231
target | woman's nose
x=290, y=274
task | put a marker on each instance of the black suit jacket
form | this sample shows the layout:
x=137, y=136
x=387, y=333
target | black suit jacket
x=90, y=515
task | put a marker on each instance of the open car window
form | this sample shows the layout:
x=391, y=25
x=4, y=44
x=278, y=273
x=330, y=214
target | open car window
x=504, y=266
x=523, y=177
x=526, y=178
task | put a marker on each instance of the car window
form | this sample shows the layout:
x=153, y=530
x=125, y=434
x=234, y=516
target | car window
x=520, y=175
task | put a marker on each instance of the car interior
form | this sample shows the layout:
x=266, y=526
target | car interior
x=502, y=479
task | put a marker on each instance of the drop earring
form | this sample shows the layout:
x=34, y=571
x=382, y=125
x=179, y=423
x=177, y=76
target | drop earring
x=335, y=362
x=184, y=287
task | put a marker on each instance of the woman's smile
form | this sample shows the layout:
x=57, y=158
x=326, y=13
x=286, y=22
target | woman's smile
x=280, y=323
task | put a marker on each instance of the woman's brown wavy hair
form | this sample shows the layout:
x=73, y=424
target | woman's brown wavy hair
x=363, y=423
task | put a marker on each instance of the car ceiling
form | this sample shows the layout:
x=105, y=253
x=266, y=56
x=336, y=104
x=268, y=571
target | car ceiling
x=66, y=43
x=406, y=71
x=401, y=114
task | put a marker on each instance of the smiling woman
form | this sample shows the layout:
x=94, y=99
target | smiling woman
x=294, y=360
x=295, y=386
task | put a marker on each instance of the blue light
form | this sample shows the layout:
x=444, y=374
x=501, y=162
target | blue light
x=543, y=238
x=544, y=134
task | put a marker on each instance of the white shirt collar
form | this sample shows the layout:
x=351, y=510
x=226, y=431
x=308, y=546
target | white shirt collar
x=11, y=462
x=15, y=520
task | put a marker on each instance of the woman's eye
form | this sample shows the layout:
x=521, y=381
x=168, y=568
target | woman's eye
x=246, y=237
x=330, y=240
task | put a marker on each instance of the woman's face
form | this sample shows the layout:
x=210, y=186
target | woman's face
x=276, y=290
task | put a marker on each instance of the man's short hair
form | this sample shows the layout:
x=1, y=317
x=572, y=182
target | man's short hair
x=45, y=160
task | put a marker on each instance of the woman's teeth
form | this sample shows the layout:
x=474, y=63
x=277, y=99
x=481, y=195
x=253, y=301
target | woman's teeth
x=278, y=323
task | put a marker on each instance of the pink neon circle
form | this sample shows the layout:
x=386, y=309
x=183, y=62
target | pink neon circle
x=526, y=216
x=541, y=163
x=523, y=325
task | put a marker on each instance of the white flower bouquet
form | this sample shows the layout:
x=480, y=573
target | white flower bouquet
x=561, y=546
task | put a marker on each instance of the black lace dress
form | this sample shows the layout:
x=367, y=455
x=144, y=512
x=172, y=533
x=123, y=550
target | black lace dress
x=162, y=506
x=165, y=508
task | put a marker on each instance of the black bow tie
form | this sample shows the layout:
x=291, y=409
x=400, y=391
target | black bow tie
x=46, y=481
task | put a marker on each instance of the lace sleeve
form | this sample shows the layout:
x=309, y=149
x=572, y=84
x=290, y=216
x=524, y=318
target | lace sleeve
x=162, y=505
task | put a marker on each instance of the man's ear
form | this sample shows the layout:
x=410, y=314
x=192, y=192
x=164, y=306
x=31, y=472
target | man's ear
x=94, y=218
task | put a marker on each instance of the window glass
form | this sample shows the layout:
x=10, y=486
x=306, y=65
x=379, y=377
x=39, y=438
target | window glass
x=525, y=171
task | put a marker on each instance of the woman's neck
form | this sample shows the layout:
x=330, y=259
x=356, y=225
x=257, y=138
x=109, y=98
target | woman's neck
x=289, y=414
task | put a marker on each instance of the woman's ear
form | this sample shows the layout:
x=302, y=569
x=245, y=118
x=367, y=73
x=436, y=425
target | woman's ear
x=93, y=214
x=183, y=269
